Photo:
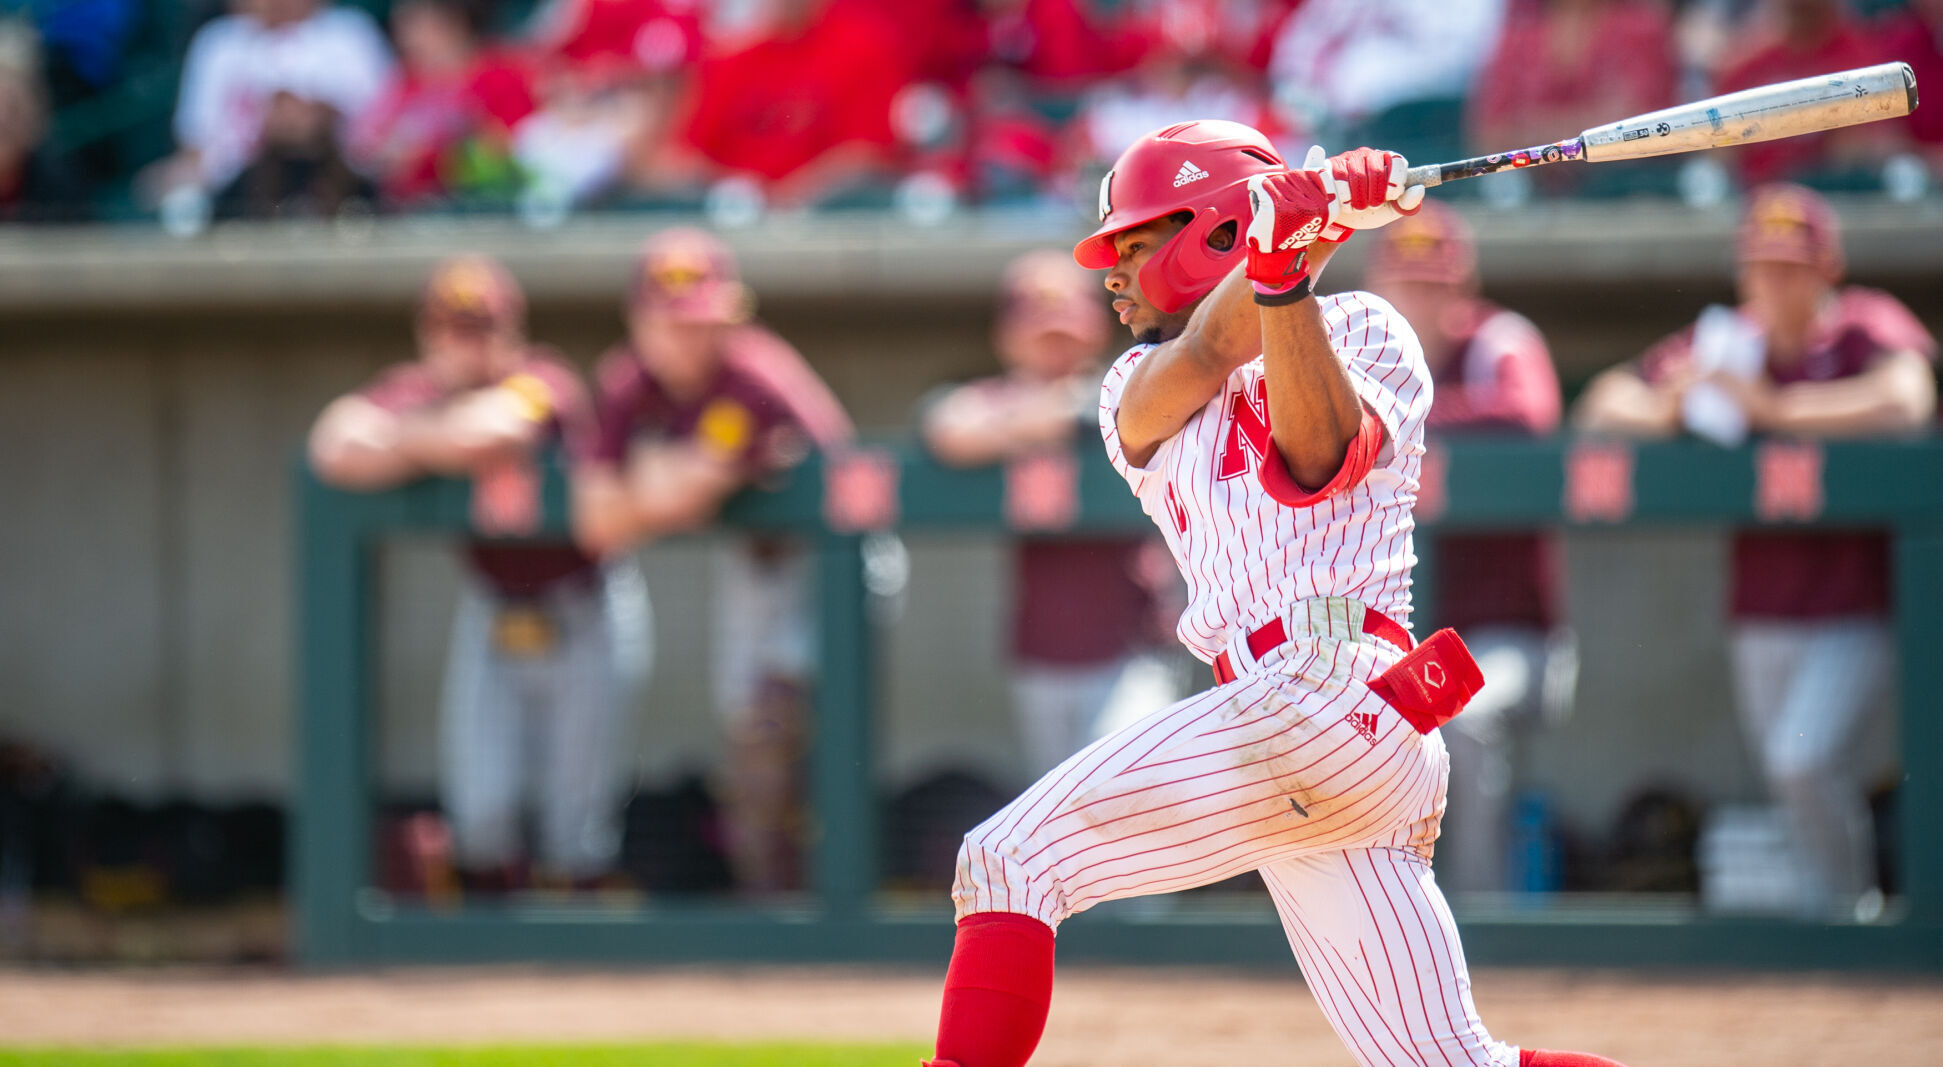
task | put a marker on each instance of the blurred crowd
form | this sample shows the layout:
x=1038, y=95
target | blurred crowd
x=294, y=108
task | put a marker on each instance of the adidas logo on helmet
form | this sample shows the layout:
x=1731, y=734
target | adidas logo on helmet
x=1201, y=167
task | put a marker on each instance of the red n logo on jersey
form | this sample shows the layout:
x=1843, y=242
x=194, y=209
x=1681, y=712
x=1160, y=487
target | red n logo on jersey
x=1247, y=436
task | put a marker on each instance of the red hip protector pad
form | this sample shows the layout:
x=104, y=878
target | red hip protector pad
x=1432, y=682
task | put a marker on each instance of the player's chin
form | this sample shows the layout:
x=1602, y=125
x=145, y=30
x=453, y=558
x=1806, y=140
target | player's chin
x=1151, y=327
x=1148, y=326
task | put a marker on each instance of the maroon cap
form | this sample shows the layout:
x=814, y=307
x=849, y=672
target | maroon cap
x=473, y=291
x=1434, y=245
x=1790, y=224
x=689, y=275
x=1044, y=291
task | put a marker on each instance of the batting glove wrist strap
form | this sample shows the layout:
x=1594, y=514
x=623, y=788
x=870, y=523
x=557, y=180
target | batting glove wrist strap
x=1274, y=298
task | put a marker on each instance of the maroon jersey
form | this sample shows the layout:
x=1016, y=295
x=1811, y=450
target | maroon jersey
x=513, y=568
x=1077, y=603
x=738, y=415
x=1500, y=380
x=757, y=352
x=1818, y=574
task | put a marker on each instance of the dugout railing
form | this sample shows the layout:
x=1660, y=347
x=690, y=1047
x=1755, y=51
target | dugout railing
x=341, y=918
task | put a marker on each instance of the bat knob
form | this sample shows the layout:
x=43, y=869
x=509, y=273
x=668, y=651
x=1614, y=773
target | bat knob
x=1909, y=85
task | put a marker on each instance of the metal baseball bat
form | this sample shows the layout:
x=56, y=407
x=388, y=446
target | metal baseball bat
x=1785, y=109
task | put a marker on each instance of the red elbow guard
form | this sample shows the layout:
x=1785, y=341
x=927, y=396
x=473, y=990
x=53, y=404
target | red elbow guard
x=1357, y=464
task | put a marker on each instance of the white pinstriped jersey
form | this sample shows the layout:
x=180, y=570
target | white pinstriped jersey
x=1294, y=768
x=1246, y=556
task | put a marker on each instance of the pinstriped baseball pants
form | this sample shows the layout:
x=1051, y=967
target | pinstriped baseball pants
x=1295, y=770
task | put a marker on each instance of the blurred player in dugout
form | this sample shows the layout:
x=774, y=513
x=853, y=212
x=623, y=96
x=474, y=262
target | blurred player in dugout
x=1801, y=356
x=1084, y=608
x=1493, y=375
x=547, y=645
x=697, y=403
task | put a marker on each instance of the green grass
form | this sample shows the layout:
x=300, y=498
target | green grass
x=767, y=1054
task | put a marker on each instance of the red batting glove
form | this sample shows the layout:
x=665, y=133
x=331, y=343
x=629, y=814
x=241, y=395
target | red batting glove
x=1288, y=211
x=1370, y=184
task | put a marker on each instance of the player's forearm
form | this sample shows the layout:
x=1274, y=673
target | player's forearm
x=355, y=446
x=361, y=468
x=1314, y=412
x=424, y=443
x=676, y=489
x=459, y=439
x=603, y=520
x=1891, y=399
x=1176, y=380
x=961, y=446
x=1618, y=402
x=976, y=435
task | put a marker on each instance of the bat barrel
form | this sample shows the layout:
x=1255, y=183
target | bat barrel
x=1786, y=109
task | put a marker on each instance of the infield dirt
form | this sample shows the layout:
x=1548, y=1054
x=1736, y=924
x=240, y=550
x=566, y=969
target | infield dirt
x=1166, y=1017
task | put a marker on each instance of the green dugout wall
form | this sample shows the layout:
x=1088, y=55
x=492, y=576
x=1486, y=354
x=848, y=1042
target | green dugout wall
x=342, y=919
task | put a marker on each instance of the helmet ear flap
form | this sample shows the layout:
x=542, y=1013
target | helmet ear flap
x=1187, y=268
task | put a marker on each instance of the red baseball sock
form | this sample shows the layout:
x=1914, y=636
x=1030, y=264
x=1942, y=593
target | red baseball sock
x=1538, y=1057
x=997, y=992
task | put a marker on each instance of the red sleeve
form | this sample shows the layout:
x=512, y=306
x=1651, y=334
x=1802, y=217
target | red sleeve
x=1522, y=391
x=1358, y=461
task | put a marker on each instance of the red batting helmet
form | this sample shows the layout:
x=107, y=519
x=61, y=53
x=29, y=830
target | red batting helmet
x=1201, y=167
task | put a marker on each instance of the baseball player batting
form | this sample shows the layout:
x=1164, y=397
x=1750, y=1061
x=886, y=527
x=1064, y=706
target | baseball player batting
x=1274, y=437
